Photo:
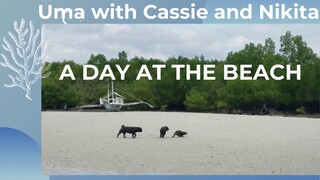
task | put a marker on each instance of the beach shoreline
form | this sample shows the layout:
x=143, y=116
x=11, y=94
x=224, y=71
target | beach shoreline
x=279, y=114
x=216, y=144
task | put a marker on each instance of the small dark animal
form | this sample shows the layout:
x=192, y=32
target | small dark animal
x=179, y=133
x=163, y=131
x=131, y=130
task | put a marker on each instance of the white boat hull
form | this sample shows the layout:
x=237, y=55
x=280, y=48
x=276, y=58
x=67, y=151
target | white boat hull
x=114, y=101
x=111, y=107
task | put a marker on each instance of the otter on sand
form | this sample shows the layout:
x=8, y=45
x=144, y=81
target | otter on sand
x=131, y=130
x=179, y=133
x=163, y=131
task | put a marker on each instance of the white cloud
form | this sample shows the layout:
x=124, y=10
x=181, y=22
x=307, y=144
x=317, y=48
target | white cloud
x=237, y=42
x=78, y=42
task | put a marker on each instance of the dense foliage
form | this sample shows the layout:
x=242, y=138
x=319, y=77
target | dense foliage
x=301, y=96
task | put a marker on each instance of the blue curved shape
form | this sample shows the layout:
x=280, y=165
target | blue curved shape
x=20, y=156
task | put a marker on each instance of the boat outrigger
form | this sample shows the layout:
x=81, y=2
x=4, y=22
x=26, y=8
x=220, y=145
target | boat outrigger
x=113, y=101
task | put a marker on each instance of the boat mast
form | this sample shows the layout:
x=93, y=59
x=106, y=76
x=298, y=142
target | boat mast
x=112, y=90
x=108, y=91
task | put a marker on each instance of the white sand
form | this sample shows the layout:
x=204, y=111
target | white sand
x=86, y=143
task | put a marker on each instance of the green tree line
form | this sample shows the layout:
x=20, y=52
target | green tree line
x=301, y=96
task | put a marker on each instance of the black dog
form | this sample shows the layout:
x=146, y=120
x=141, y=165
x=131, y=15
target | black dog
x=130, y=130
x=179, y=133
x=163, y=131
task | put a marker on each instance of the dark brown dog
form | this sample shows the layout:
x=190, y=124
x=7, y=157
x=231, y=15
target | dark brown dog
x=179, y=133
x=131, y=130
x=163, y=131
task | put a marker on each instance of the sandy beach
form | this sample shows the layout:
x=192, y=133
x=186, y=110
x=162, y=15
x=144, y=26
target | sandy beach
x=216, y=144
